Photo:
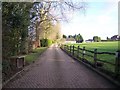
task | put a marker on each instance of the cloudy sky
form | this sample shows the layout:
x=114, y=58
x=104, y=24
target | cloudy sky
x=100, y=18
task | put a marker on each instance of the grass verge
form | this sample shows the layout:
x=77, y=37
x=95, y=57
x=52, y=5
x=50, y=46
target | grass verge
x=31, y=57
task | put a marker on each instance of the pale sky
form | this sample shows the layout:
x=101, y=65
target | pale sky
x=101, y=19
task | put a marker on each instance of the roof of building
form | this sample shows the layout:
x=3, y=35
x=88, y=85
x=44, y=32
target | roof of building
x=89, y=40
x=70, y=39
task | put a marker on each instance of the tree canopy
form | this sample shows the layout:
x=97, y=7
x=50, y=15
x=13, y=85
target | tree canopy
x=15, y=21
x=24, y=22
x=96, y=39
x=78, y=38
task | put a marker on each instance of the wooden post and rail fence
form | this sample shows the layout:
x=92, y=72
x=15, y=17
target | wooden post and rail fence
x=77, y=52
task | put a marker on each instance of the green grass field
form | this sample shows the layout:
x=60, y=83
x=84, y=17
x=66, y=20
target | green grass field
x=33, y=56
x=101, y=47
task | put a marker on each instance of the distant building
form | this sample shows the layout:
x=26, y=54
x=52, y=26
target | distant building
x=115, y=37
x=70, y=40
x=89, y=40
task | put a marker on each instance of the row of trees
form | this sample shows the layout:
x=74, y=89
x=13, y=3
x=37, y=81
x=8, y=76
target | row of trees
x=23, y=22
x=42, y=24
x=96, y=39
x=20, y=27
x=78, y=38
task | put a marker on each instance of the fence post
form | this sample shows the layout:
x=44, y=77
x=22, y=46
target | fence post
x=73, y=50
x=67, y=48
x=64, y=48
x=83, y=53
x=117, y=63
x=78, y=51
x=70, y=49
x=95, y=57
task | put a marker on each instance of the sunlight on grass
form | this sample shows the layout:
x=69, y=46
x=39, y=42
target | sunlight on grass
x=33, y=56
x=101, y=46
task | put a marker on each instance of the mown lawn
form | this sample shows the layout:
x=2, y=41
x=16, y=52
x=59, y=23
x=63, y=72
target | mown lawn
x=101, y=47
x=33, y=56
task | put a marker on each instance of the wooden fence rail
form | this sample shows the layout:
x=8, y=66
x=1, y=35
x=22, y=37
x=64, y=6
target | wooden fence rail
x=77, y=51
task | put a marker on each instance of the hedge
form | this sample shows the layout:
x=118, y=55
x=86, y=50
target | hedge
x=45, y=42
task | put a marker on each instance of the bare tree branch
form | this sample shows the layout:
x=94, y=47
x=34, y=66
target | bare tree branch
x=48, y=10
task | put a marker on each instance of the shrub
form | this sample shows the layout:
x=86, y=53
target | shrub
x=8, y=69
x=45, y=42
x=49, y=42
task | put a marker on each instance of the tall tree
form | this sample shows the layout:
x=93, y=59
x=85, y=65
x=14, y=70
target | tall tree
x=96, y=39
x=78, y=38
x=52, y=11
x=99, y=39
x=15, y=21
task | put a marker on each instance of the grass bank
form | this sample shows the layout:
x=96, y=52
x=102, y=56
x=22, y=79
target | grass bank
x=31, y=57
